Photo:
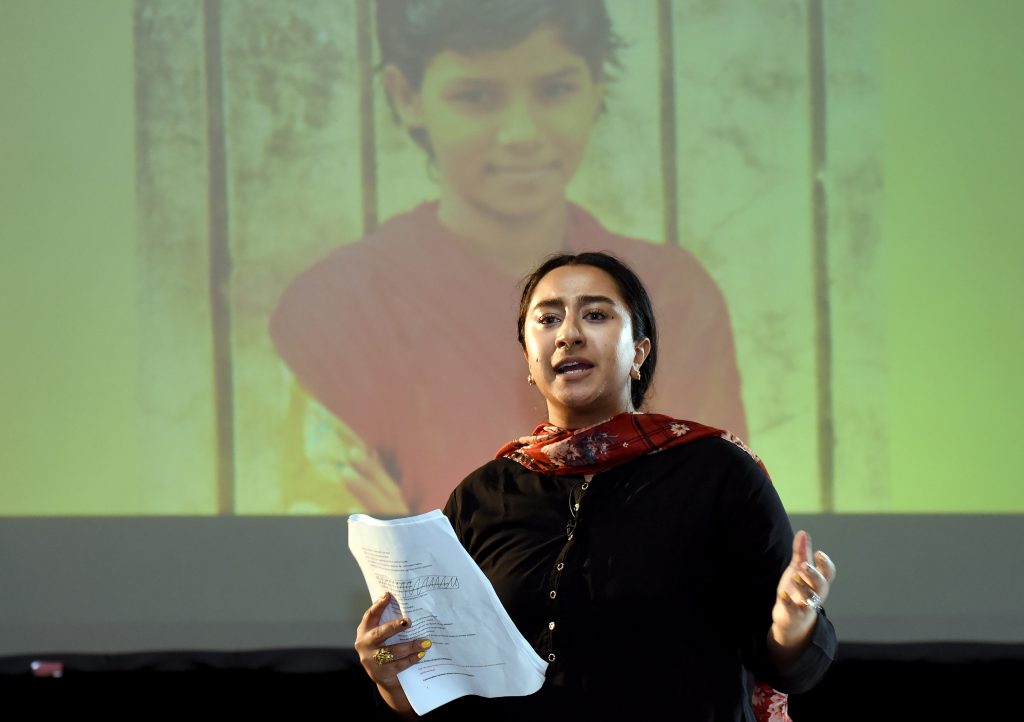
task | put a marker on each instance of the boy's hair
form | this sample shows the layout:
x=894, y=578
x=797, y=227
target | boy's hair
x=411, y=32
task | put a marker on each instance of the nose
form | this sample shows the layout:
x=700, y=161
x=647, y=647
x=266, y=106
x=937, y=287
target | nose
x=569, y=334
x=519, y=128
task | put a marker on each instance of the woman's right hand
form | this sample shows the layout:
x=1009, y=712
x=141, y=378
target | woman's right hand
x=370, y=638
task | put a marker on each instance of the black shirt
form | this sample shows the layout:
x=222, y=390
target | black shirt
x=653, y=595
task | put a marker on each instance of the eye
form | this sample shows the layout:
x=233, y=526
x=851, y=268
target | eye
x=474, y=98
x=595, y=315
x=557, y=89
x=548, y=319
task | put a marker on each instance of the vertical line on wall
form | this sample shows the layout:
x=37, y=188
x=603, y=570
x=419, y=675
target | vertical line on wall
x=219, y=258
x=667, y=108
x=367, y=131
x=819, y=204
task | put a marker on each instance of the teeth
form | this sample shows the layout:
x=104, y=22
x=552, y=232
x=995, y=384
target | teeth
x=573, y=367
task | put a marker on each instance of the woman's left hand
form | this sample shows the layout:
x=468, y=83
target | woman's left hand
x=802, y=590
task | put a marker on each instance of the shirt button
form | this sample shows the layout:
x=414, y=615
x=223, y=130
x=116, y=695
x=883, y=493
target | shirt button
x=586, y=485
x=551, y=625
x=551, y=657
x=560, y=566
x=552, y=594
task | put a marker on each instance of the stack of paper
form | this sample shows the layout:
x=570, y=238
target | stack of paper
x=476, y=648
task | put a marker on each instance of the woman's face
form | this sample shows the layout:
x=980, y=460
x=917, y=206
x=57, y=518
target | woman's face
x=508, y=127
x=580, y=347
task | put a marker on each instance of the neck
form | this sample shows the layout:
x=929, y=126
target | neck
x=512, y=243
x=566, y=419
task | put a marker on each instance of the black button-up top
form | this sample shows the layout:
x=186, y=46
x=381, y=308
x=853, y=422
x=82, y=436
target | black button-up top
x=648, y=589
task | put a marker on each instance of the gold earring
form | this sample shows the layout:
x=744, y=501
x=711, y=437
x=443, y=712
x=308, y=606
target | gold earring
x=529, y=380
x=635, y=374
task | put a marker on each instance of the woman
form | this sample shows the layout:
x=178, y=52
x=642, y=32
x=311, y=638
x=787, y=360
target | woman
x=648, y=559
x=501, y=96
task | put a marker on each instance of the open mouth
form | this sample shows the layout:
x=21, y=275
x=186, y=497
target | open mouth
x=572, y=367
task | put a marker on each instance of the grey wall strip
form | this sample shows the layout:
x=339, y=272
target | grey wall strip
x=666, y=77
x=823, y=310
x=367, y=130
x=220, y=259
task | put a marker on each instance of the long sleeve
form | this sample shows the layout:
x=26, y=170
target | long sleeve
x=760, y=539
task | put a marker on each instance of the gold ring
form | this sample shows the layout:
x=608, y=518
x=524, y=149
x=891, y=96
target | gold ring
x=384, y=656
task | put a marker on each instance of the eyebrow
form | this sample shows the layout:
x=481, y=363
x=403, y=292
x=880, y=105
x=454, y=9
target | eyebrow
x=583, y=300
x=567, y=71
x=472, y=80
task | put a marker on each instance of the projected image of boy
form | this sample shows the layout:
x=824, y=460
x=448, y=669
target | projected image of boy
x=401, y=336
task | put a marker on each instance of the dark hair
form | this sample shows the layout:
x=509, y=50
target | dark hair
x=641, y=312
x=411, y=32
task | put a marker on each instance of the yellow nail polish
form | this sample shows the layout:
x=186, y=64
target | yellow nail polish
x=425, y=644
x=421, y=655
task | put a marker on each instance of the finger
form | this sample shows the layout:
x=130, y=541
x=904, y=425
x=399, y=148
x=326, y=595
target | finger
x=404, y=656
x=363, y=489
x=794, y=602
x=382, y=672
x=801, y=548
x=374, y=499
x=812, y=586
x=825, y=566
x=374, y=492
x=371, y=618
x=416, y=649
x=368, y=464
x=346, y=436
x=370, y=632
x=383, y=632
x=812, y=577
x=801, y=583
x=380, y=494
x=801, y=601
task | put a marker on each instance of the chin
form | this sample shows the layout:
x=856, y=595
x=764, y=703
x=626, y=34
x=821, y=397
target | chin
x=579, y=407
x=526, y=208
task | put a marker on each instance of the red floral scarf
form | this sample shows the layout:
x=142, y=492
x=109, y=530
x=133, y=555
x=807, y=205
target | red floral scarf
x=592, y=449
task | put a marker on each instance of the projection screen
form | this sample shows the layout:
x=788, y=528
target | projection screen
x=213, y=352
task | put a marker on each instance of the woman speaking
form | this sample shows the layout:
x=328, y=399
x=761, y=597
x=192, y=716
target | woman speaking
x=648, y=559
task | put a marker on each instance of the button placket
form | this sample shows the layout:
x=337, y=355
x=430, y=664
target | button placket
x=574, y=508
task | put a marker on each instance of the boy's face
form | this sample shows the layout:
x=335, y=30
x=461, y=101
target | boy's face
x=508, y=127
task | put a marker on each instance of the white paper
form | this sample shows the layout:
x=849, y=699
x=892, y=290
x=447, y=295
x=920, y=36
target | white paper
x=476, y=648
